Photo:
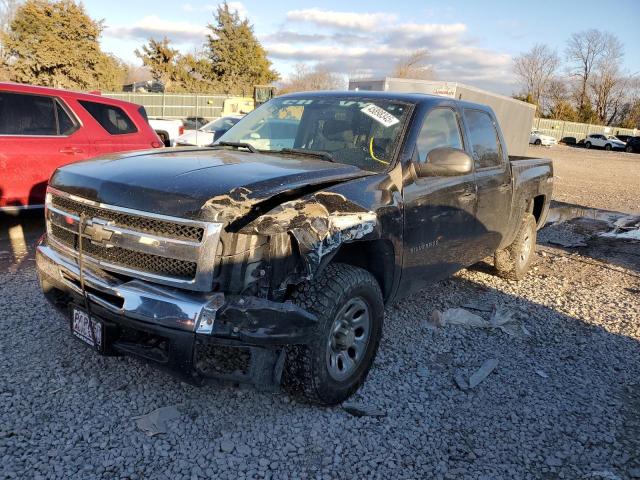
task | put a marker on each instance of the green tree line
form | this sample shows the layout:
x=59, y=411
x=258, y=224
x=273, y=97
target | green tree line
x=56, y=43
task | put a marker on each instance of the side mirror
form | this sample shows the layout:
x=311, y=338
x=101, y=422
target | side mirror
x=445, y=162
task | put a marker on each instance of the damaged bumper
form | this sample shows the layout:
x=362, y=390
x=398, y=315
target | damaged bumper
x=170, y=327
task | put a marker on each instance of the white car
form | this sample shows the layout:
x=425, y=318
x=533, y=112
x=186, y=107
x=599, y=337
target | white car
x=168, y=130
x=608, y=142
x=208, y=133
x=536, y=137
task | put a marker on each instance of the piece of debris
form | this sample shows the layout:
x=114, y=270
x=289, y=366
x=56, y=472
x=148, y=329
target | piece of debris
x=422, y=372
x=359, y=410
x=458, y=316
x=542, y=374
x=478, y=306
x=507, y=323
x=568, y=242
x=625, y=228
x=155, y=422
x=483, y=372
x=461, y=382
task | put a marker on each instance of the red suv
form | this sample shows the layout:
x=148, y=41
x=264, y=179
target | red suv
x=43, y=128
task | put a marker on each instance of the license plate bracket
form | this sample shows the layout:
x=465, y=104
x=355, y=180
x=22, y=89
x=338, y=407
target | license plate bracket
x=81, y=325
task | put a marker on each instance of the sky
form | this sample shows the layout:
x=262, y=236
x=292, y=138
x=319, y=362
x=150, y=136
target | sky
x=471, y=42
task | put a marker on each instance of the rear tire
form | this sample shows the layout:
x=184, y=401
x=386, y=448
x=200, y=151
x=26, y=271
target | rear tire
x=607, y=147
x=628, y=149
x=333, y=366
x=587, y=145
x=514, y=261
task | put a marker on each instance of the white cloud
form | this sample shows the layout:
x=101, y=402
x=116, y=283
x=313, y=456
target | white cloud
x=153, y=26
x=371, y=43
x=329, y=18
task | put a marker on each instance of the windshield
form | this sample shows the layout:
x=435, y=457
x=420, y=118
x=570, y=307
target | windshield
x=612, y=137
x=353, y=131
x=224, y=123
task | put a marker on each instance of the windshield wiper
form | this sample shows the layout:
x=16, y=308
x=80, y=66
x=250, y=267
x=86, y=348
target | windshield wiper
x=248, y=146
x=309, y=153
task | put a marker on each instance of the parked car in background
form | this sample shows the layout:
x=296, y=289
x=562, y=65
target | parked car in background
x=536, y=137
x=168, y=130
x=633, y=145
x=623, y=138
x=194, y=123
x=44, y=128
x=209, y=133
x=608, y=142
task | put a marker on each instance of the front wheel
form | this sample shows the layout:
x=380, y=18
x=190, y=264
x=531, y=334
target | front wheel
x=628, y=149
x=587, y=144
x=514, y=261
x=538, y=142
x=607, y=147
x=348, y=303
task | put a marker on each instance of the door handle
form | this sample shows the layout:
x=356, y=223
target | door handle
x=71, y=150
x=467, y=197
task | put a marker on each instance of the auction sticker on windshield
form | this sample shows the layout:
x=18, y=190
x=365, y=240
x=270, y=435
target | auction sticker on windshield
x=380, y=115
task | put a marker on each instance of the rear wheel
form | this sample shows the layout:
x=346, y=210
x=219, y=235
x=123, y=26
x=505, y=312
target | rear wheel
x=350, y=310
x=587, y=144
x=514, y=261
x=607, y=147
x=628, y=149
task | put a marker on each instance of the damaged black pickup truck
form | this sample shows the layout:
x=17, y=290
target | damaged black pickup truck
x=269, y=257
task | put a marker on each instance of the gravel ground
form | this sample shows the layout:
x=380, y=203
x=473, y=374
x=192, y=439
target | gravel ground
x=594, y=178
x=562, y=402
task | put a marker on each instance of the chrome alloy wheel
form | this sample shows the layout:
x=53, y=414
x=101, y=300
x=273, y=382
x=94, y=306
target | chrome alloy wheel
x=348, y=339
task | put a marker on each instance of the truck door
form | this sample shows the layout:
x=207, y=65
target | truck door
x=439, y=222
x=493, y=179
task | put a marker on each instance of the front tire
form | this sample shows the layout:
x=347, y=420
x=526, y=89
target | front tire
x=538, y=142
x=348, y=303
x=607, y=147
x=587, y=145
x=628, y=149
x=514, y=261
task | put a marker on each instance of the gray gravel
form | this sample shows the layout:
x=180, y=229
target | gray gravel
x=562, y=402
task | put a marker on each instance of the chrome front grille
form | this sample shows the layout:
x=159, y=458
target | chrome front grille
x=167, y=250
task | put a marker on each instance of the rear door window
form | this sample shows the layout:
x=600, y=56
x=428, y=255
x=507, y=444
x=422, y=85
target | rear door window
x=485, y=144
x=113, y=119
x=33, y=115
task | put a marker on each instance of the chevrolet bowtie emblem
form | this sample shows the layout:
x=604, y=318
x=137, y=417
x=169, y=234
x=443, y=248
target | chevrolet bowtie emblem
x=97, y=233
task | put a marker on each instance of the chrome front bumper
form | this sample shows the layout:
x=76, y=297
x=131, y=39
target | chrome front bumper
x=134, y=299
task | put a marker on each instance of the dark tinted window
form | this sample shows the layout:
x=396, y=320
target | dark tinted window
x=112, y=118
x=440, y=129
x=65, y=124
x=143, y=113
x=484, y=139
x=27, y=115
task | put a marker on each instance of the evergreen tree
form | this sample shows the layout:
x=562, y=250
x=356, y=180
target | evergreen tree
x=55, y=43
x=238, y=61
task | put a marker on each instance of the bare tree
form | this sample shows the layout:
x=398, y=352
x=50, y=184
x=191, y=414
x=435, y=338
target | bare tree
x=608, y=84
x=535, y=70
x=306, y=78
x=414, y=66
x=587, y=52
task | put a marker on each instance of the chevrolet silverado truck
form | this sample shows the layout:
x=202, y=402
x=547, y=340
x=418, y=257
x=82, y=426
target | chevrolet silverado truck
x=269, y=257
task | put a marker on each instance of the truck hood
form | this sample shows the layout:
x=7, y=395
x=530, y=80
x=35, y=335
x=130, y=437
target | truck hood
x=180, y=183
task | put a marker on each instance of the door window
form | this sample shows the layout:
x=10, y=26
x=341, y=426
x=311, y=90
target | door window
x=440, y=129
x=485, y=143
x=111, y=118
x=27, y=115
